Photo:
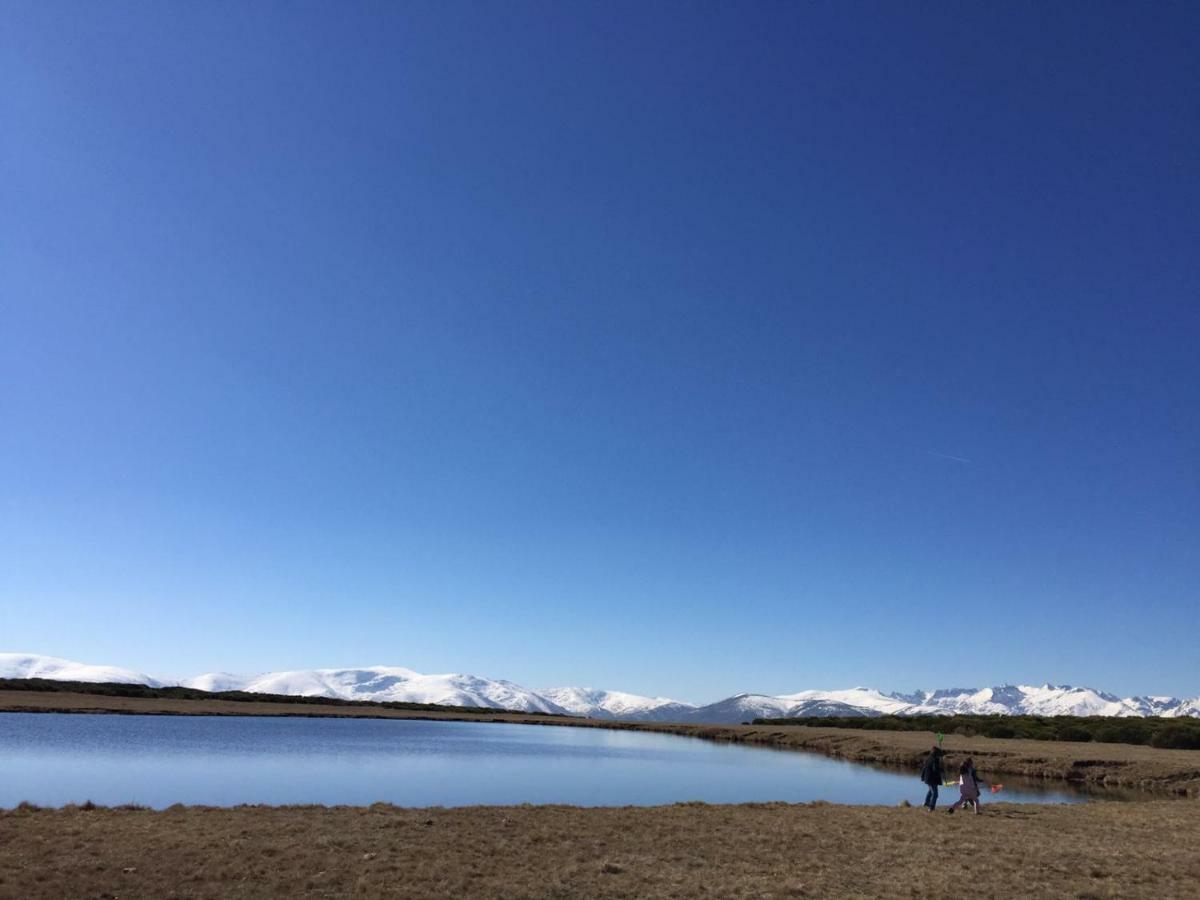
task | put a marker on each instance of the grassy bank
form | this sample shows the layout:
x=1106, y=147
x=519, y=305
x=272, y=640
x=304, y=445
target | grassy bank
x=685, y=851
x=1180, y=733
x=1097, y=764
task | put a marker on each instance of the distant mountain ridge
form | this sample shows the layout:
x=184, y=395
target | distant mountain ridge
x=32, y=665
x=396, y=684
x=383, y=683
x=598, y=704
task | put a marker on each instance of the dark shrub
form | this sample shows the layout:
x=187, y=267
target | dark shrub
x=1074, y=733
x=1179, y=737
x=999, y=730
x=1038, y=733
x=1160, y=732
x=1123, y=731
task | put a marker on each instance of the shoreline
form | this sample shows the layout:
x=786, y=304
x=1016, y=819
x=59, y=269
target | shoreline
x=1126, y=766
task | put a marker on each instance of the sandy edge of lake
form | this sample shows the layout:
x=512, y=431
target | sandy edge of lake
x=1175, y=772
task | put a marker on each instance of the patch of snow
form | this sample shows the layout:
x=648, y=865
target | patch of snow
x=32, y=665
x=600, y=704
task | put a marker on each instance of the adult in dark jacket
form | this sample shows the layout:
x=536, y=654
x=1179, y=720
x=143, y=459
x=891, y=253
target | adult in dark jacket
x=931, y=775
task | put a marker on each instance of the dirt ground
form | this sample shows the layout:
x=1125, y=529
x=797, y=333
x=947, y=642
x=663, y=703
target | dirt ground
x=1110, y=765
x=1147, y=849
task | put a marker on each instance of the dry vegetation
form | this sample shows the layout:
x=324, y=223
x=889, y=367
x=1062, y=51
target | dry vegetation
x=690, y=850
x=1096, y=764
x=1111, y=765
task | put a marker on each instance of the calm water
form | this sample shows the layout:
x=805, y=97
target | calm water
x=52, y=759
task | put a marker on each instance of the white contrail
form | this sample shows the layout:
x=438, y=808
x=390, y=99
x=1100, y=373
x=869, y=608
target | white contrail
x=947, y=456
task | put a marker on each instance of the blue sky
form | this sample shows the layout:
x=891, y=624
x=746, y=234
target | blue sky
x=675, y=348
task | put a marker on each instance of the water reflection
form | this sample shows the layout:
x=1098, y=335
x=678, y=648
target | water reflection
x=52, y=759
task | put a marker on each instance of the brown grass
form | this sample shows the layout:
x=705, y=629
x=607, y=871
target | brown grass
x=1094, y=764
x=685, y=851
x=1110, y=765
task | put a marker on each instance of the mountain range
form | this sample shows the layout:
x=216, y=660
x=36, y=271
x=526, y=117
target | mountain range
x=392, y=683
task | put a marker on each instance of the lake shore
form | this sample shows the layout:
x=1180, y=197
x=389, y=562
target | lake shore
x=1125, y=766
x=684, y=851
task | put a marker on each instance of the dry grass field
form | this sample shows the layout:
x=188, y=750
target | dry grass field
x=1175, y=772
x=1110, y=765
x=686, y=851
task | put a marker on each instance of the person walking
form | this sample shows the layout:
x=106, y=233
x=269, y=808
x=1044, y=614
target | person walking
x=968, y=788
x=931, y=775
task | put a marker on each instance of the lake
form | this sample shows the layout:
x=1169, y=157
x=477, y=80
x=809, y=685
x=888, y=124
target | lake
x=53, y=759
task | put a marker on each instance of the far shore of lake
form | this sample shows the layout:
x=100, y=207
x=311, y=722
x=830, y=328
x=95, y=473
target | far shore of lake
x=1125, y=766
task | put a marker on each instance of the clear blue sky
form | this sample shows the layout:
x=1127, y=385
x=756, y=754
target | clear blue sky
x=675, y=348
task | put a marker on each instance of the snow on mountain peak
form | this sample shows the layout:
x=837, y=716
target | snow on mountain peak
x=397, y=684
x=33, y=665
x=388, y=684
x=602, y=704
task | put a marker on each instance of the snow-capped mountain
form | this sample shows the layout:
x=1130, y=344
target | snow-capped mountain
x=1185, y=707
x=384, y=683
x=378, y=683
x=31, y=665
x=395, y=684
x=742, y=708
x=1046, y=700
x=597, y=704
x=855, y=702
x=859, y=697
x=807, y=709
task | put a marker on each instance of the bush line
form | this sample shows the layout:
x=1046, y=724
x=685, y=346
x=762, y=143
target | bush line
x=1154, y=731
